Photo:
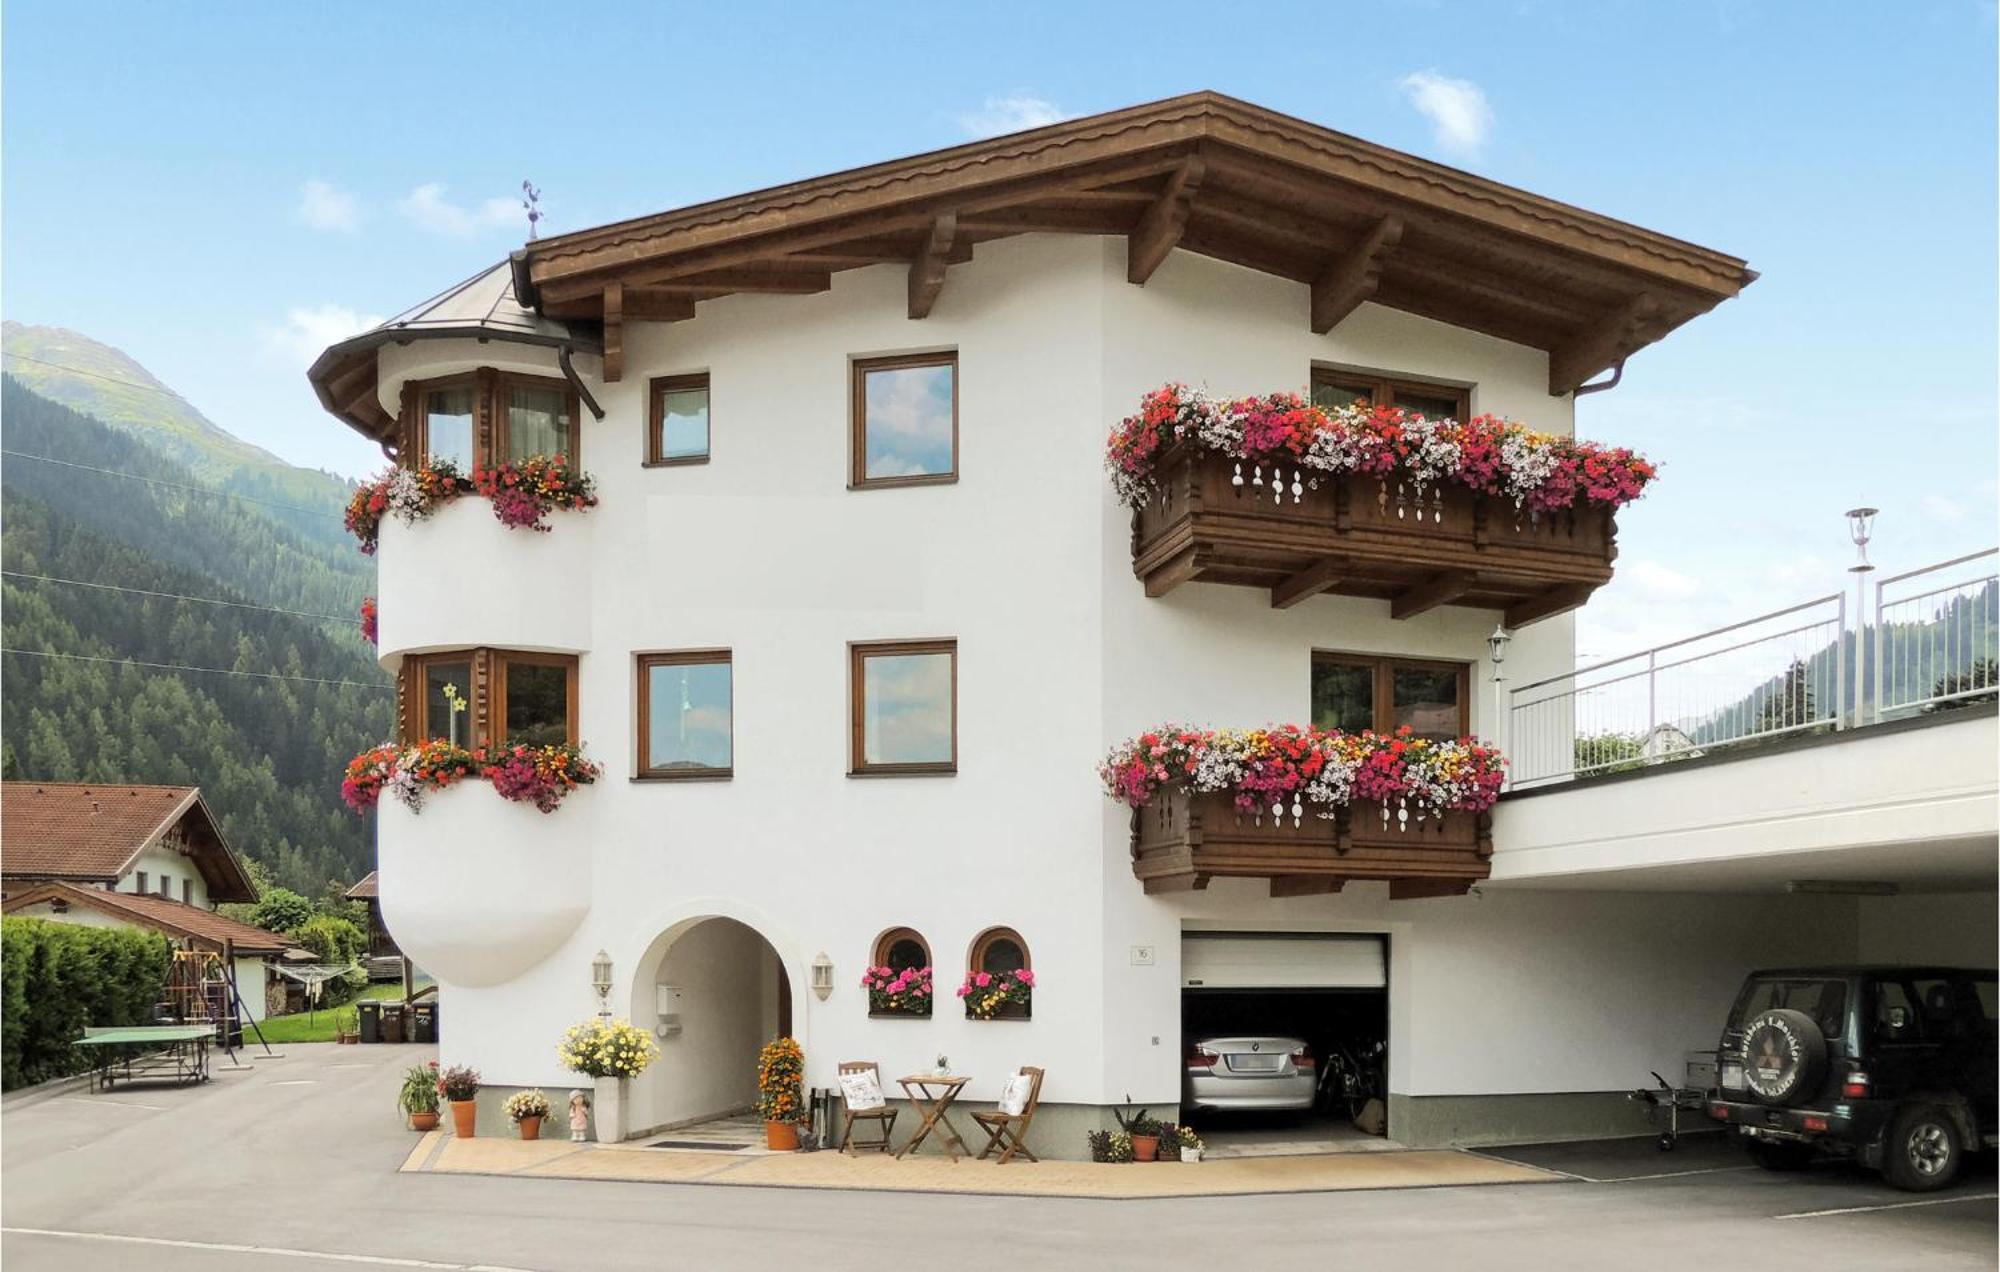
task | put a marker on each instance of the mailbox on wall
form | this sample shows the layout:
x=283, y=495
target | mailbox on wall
x=669, y=1007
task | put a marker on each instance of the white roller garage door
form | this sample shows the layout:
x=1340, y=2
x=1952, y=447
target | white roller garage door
x=1282, y=960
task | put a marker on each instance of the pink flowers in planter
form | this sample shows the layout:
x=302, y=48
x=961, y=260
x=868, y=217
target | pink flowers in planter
x=369, y=616
x=1285, y=769
x=898, y=992
x=538, y=775
x=523, y=494
x=1539, y=472
x=986, y=993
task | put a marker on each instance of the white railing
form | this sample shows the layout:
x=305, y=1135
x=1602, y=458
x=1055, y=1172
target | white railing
x=1802, y=669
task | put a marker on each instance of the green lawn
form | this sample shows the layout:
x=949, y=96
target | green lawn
x=318, y=1026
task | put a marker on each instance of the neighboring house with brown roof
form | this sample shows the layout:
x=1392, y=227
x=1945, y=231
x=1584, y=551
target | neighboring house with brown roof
x=131, y=856
x=380, y=943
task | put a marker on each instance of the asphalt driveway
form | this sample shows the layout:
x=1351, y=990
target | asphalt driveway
x=293, y=1166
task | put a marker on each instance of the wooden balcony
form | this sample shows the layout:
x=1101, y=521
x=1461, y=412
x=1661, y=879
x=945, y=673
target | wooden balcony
x=1181, y=841
x=1354, y=536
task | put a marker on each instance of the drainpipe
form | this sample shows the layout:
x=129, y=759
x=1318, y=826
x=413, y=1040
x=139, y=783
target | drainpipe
x=576, y=381
x=1617, y=374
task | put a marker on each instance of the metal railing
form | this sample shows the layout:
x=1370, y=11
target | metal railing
x=1806, y=668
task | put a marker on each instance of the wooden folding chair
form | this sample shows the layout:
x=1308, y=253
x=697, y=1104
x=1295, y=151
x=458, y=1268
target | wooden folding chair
x=1009, y=1131
x=884, y=1117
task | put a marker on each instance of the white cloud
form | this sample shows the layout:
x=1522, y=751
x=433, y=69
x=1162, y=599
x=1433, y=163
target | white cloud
x=309, y=329
x=1459, y=114
x=1940, y=508
x=325, y=206
x=427, y=207
x=1010, y=114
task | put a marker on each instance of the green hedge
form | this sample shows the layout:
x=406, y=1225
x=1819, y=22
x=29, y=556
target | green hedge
x=55, y=978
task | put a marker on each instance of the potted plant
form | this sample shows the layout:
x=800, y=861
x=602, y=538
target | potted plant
x=1191, y=1145
x=347, y=1028
x=608, y=1051
x=1145, y=1134
x=1118, y=1148
x=459, y=1086
x=1100, y=1145
x=1170, y=1142
x=781, y=1068
x=990, y=995
x=419, y=1097
x=526, y=1109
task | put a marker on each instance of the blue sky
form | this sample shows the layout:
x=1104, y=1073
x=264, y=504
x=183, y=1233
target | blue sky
x=219, y=189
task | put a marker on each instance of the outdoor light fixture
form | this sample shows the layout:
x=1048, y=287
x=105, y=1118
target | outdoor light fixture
x=600, y=980
x=822, y=970
x=1860, y=527
x=1860, y=522
x=1497, y=644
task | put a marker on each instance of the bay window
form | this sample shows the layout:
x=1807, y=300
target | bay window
x=488, y=418
x=484, y=697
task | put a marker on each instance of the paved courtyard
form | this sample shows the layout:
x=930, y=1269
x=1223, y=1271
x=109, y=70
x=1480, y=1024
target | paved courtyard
x=299, y=1165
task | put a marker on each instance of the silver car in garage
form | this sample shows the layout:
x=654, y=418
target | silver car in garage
x=1251, y=1073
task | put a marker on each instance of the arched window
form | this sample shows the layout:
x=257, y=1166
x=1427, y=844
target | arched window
x=1002, y=956
x=898, y=981
x=901, y=949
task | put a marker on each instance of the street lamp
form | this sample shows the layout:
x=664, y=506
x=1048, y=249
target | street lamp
x=1860, y=527
x=600, y=980
x=1496, y=646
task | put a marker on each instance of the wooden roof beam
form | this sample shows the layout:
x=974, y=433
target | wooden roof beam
x=1354, y=277
x=1439, y=589
x=1311, y=581
x=614, y=332
x=928, y=270
x=1556, y=600
x=1613, y=338
x=782, y=281
x=1163, y=224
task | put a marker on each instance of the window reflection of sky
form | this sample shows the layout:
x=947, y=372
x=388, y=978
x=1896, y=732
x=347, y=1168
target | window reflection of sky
x=909, y=422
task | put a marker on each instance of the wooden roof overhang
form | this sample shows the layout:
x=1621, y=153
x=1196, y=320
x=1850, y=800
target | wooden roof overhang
x=1203, y=173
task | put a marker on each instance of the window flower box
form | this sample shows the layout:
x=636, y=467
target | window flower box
x=894, y=992
x=1308, y=809
x=1376, y=502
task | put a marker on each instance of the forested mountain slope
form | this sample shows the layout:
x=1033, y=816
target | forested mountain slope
x=266, y=749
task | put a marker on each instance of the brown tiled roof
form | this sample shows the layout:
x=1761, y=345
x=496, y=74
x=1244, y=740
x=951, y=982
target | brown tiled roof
x=175, y=918
x=92, y=833
x=367, y=890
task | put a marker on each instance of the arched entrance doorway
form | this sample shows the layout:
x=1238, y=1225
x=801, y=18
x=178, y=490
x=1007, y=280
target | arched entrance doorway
x=714, y=991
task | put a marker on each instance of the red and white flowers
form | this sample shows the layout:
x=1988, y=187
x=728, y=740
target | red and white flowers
x=523, y=494
x=1539, y=472
x=1285, y=769
x=538, y=775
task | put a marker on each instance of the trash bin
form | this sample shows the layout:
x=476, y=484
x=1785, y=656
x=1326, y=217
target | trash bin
x=392, y=1022
x=423, y=1022
x=371, y=1020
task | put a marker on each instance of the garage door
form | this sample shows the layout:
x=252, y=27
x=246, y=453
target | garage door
x=1282, y=960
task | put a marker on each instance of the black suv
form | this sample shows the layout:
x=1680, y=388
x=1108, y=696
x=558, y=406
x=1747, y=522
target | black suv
x=1893, y=1066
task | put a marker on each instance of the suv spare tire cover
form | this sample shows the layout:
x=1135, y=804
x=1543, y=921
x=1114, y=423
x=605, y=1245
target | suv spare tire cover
x=1784, y=1056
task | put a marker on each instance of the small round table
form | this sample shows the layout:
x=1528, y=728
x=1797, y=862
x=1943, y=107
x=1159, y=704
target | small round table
x=931, y=1094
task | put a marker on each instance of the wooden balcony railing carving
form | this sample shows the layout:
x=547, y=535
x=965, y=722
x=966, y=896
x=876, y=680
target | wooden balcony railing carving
x=1300, y=533
x=1182, y=840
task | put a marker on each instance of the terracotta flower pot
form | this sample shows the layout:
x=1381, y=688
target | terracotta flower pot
x=424, y=1121
x=531, y=1127
x=781, y=1137
x=1145, y=1148
x=463, y=1115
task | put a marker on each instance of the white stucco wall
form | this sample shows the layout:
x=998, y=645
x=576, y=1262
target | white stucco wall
x=1025, y=560
x=250, y=978
x=161, y=860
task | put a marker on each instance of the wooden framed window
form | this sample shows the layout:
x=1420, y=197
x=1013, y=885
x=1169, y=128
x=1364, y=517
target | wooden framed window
x=677, y=423
x=167, y=886
x=482, y=697
x=490, y=418
x=187, y=892
x=902, y=948
x=996, y=950
x=903, y=421
x=903, y=707
x=141, y=888
x=1332, y=388
x=686, y=715
x=1353, y=692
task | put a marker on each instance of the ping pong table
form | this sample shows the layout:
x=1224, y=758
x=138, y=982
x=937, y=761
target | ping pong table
x=141, y=1053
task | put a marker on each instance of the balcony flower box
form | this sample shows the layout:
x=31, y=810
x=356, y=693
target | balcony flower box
x=1307, y=809
x=1276, y=493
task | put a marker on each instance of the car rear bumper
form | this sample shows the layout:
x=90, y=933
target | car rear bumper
x=1294, y=1091
x=1850, y=1125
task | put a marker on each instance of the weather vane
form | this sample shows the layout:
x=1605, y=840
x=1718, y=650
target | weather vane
x=530, y=197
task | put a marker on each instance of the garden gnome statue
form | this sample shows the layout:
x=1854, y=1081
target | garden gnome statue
x=579, y=1116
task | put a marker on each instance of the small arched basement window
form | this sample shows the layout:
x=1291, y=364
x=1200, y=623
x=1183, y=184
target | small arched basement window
x=995, y=951
x=902, y=948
